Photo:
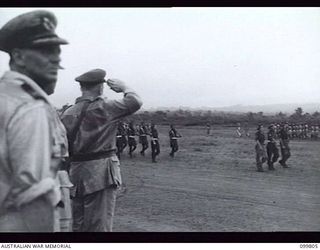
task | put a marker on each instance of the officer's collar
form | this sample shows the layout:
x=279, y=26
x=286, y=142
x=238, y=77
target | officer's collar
x=88, y=98
x=21, y=79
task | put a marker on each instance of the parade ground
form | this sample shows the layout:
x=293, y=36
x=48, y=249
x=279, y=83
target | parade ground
x=212, y=186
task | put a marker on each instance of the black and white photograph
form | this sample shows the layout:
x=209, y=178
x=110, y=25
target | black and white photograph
x=198, y=119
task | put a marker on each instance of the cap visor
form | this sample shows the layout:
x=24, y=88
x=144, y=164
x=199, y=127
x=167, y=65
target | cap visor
x=49, y=41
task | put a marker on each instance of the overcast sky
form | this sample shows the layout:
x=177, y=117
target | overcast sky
x=191, y=56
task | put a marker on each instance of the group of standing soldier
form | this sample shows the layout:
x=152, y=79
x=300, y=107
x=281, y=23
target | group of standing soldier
x=270, y=153
x=303, y=131
x=126, y=136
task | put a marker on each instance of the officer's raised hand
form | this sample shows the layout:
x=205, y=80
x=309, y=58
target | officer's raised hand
x=117, y=85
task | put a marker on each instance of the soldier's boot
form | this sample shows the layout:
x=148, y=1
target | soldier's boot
x=259, y=168
x=283, y=164
x=270, y=166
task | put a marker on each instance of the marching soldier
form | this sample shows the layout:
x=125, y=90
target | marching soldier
x=143, y=132
x=284, y=145
x=123, y=136
x=306, y=131
x=260, y=148
x=316, y=132
x=119, y=139
x=312, y=130
x=33, y=139
x=91, y=125
x=300, y=132
x=155, y=146
x=174, y=135
x=295, y=131
x=208, y=126
x=131, y=139
x=277, y=130
x=272, y=150
x=290, y=132
x=238, y=131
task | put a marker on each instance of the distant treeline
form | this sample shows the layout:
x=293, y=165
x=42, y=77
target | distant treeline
x=201, y=118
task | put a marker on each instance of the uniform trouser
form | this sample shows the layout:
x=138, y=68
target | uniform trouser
x=94, y=212
x=132, y=145
x=36, y=216
x=260, y=155
x=124, y=143
x=272, y=152
x=155, y=148
x=119, y=146
x=144, y=143
x=174, y=146
x=285, y=152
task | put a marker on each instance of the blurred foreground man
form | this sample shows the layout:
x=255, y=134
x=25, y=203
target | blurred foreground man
x=95, y=169
x=32, y=138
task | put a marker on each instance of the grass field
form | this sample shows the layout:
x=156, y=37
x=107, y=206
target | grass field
x=212, y=186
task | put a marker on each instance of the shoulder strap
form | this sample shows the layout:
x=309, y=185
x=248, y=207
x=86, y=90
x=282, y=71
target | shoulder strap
x=72, y=135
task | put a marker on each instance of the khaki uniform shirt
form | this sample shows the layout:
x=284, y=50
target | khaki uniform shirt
x=97, y=133
x=32, y=143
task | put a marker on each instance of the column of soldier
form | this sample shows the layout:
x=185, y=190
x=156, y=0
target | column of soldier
x=282, y=132
x=126, y=136
x=300, y=131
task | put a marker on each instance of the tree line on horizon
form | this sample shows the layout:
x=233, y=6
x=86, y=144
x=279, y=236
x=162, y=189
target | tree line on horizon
x=203, y=117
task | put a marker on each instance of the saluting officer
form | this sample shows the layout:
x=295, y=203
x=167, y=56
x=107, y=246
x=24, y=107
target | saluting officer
x=33, y=141
x=174, y=135
x=91, y=125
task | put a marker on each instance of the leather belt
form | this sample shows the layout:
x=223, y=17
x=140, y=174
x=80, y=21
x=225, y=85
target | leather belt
x=93, y=156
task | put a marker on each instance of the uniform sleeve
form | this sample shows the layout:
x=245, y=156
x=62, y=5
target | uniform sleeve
x=29, y=144
x=129, y=104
